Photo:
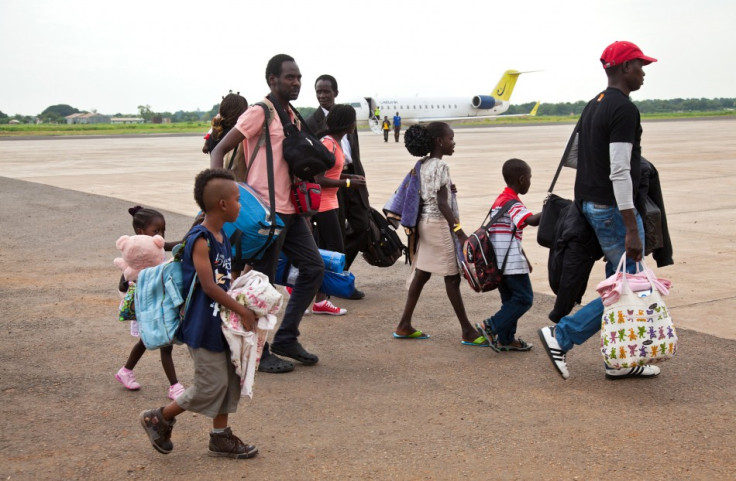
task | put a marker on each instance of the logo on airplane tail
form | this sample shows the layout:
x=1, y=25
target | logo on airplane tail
x=501, y=91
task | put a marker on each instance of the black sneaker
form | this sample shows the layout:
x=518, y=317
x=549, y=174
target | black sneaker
x=228, y=445
x=274, y=365
x=355, y=296
x=158, y=429
x=296, y=352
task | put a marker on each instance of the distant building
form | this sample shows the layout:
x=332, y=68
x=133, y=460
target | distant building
x=14, y=122
x=87, y=118
x=127, y=120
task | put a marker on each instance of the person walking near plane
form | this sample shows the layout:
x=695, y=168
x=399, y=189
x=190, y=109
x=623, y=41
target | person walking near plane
x=438, y=219
x=340, y=122
x=608, y=173
x=296, y=241
x=397, y=126
x=377, y=113
x=386, y=128
x=353, y=200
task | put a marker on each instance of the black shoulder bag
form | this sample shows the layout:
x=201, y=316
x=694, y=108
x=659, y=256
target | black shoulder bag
x=303, y=152
x=554, y=205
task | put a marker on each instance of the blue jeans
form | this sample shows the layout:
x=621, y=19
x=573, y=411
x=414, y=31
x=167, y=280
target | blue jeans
x=516, y=298
x=609, y=228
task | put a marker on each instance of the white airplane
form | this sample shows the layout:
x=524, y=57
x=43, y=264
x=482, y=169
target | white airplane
x=414, y=110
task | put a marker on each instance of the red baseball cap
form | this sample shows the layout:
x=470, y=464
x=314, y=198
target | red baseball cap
x=620, y=52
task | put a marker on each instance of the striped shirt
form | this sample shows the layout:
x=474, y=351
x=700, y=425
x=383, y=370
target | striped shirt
x=500, y=233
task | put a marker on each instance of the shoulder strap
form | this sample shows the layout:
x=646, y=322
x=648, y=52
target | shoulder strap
x=303, y=123
x=498, y=214
x=271, y=189
x=571, y=143
x=505, y=208
x=285, y=120
x=232, y=158
x=261, y=139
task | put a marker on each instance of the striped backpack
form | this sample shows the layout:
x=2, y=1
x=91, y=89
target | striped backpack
x=478, y=262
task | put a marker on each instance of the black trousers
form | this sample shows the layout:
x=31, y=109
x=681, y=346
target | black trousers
x=297, y=243
x=329, y=234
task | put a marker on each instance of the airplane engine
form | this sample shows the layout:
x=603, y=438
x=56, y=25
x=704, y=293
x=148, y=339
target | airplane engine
x=483, y=102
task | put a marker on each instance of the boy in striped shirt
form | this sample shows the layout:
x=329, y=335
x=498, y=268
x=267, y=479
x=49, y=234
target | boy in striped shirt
x=506, y=234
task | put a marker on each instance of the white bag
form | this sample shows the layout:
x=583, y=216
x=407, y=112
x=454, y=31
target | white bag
x=637, y=329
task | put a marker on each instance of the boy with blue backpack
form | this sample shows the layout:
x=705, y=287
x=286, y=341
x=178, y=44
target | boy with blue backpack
x=216, y=388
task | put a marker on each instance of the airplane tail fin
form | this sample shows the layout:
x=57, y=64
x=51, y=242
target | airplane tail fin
x=533, y=113
x=506, y=85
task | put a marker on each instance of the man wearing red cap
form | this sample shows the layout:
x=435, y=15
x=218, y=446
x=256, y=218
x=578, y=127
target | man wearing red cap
x=606, y=184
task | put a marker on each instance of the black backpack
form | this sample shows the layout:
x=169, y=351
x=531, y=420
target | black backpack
x=385, y=246
x=304, y=152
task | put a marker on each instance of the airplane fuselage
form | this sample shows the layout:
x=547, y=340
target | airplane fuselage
x=413, y=110
x=427, y=109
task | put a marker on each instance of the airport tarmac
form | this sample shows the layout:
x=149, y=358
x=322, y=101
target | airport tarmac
x=695, y=159
x=373, y=408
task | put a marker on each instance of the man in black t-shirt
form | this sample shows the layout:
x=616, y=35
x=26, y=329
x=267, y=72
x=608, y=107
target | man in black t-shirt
x=608, y=171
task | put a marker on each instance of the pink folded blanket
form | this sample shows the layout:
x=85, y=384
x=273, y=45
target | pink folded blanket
x=611, y=288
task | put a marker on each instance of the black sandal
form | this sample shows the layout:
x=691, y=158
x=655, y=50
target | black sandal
x=523, y=346
x=274, y=365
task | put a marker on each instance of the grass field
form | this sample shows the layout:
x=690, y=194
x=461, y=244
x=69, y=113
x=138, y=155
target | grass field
x=102, y=129
x=31, y=130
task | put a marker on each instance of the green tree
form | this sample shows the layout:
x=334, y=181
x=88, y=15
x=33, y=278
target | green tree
x=213, y=111
x=145, y=112
x=56, y=113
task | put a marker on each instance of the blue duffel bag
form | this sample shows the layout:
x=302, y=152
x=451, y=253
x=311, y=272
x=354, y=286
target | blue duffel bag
x=255, y=228
x=338, y=284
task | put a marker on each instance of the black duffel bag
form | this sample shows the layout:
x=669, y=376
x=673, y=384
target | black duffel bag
x=304, y=153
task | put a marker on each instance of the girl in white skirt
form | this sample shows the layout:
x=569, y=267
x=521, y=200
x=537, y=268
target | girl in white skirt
x=437, y=223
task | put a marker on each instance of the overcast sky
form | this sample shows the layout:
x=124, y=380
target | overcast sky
x=184, y=55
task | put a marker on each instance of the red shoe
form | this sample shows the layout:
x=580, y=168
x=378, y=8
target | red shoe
x=326, y=307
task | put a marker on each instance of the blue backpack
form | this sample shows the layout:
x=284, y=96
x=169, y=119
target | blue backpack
x=160, y=304
x=257, y=225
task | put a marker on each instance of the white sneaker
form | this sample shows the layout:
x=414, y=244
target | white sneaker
x=555, y=353
x=326, y=307
x=638, y=371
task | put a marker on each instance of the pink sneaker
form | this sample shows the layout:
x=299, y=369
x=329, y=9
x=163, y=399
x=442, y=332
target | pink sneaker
x=175, y=390
x=326, y=307
x=127, y=379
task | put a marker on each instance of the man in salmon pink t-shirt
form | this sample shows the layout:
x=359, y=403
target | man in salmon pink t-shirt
x=296, y=241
